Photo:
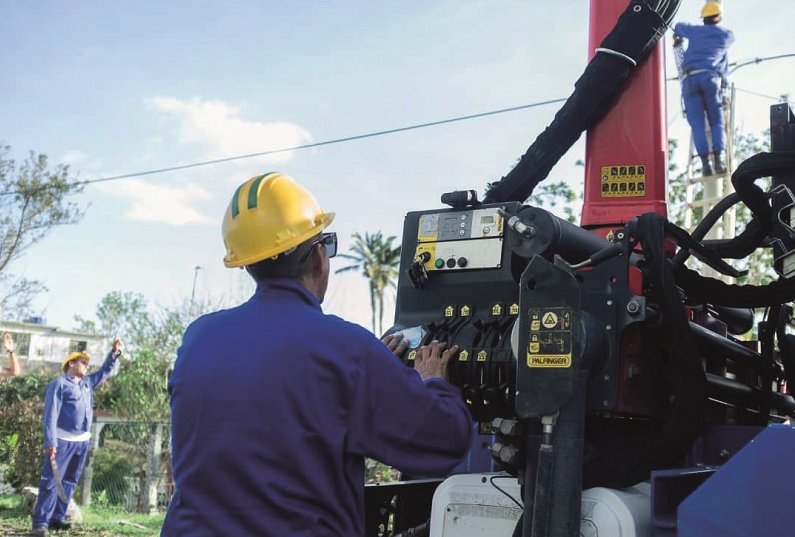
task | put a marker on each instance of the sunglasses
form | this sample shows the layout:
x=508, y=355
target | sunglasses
x=328, y=240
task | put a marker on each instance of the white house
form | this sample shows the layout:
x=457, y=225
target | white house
x=39, y=346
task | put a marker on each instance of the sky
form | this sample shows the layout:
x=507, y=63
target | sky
x=112, y=88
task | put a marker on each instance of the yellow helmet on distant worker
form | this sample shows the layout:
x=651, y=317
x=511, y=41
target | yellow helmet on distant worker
x=268, y=215
x=711, y=9
x=74, y=356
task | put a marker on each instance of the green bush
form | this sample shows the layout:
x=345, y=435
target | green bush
x=21, y=400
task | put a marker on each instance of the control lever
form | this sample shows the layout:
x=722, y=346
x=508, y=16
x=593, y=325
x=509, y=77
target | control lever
x=417, y=272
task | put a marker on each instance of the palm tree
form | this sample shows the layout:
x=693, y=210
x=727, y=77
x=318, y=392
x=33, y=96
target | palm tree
x=378, y=259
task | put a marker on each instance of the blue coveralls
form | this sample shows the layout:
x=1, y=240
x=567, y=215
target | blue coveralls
x=68, y=405
x=705, y=63
x=274, y=407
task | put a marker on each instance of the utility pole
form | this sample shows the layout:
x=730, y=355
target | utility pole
x=196, y=270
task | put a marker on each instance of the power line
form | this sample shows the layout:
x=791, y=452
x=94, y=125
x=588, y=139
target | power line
x=308, y=146
x=779, y=99
x=760, y=60
x=734, y=66
x=372, y=134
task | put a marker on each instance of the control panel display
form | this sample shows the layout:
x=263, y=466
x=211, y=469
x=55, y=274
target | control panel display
x=460, y=240
x=462, y=225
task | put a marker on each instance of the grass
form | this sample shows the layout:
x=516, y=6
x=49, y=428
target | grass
x=97, y=521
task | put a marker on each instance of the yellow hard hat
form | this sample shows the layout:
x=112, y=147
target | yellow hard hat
x=711, y=9
x=74, y=356
x=268, y=215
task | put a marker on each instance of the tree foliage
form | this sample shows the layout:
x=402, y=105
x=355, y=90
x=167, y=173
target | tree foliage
x=33, y=201
x=21, y=435
x=128, y=315
x=139, y=392
x=556, y=198
x=378, y=259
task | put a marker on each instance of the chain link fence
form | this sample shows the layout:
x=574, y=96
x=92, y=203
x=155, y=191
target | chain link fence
x=129, y=467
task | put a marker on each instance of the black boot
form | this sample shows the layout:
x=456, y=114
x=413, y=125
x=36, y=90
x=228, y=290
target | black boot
x=60, y=525
x=720, y=162
x=706, y=166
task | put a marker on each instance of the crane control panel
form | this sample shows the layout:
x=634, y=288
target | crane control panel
x=469, y=239
x=460, y=281
x=457, y=285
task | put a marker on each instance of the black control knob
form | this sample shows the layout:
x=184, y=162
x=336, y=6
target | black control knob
x=462, y=262
x=450, y=263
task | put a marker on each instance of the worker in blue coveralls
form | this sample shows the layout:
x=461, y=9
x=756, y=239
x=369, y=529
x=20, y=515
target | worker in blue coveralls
x=704, y=72
x=275, y=404
x=68, y=414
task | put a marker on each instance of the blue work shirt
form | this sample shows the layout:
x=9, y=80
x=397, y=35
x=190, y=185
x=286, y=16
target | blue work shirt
x=69, y=403
x=707, y=46
x=275, y=405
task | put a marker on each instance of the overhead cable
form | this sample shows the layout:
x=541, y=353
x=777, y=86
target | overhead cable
x=308, y=146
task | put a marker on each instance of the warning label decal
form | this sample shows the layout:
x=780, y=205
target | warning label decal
x=550, y=342
x=623, y=181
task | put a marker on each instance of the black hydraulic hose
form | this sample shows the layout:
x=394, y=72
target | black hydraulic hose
x=756, y=167
x=713, y=343
x=703, y=290
x=542, y=503
x=738, y=320
x=744, y=182
x=714, y=215
x=633, y=37
x=747, y=396
x=706, y=224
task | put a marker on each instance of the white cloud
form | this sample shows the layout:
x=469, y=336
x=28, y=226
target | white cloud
x=219, y=127
x=73, y=157
x=159, y=203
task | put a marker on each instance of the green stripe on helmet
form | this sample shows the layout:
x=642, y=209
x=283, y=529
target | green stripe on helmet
x=235, y=209
x=252, y=192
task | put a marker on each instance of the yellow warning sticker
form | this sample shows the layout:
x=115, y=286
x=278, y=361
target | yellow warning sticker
x=550, y=319
x=412, y=354
x=550, y=341
x=482, y=356
x=463, y=356
x=623, y=181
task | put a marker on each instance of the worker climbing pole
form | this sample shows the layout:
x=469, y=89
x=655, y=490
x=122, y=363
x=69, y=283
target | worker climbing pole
x=704, y=66
x=708, y=101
